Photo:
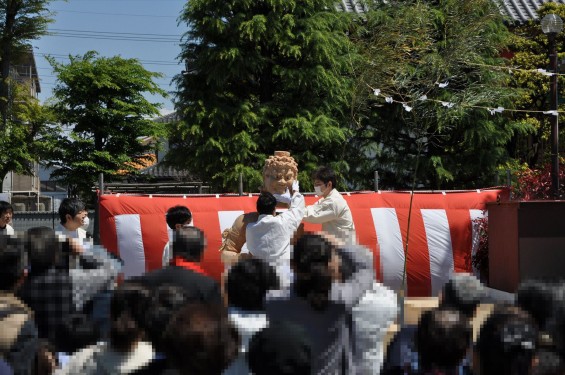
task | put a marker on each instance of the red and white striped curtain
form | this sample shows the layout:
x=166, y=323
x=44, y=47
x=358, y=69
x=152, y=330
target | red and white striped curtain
x=441, y=235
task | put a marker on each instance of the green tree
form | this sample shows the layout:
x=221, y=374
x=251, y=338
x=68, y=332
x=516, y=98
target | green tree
x=435, y=61
x=530, y=52
x=21, y=21
x=30, y=135
x=100, y=103
x=262, y=75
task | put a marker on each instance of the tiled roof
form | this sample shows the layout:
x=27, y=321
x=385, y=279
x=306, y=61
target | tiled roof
x=518, y=10
x=523, y=10
x=352, y=6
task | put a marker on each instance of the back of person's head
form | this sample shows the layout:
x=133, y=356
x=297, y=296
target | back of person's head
x=282, y=348
x=189, y=243
x=507, y=342
x=5, y=206
x=44, y=249
x=325, y=174
x=464, y=293
x=248, y=282
x=555, y=325
x=129, y=303
x=76, y=331
x=70, y=206
x=443, y=339
x=164, y=302
x=178, y=215
x=536, y=297
x=12, y=262
x=266, y=203
x=310, y=262
x=200, y=340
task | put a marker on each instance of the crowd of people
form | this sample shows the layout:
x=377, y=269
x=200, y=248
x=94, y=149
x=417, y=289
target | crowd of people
x=64, y=309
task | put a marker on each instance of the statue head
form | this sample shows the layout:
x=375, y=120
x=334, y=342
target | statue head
x=279, y=172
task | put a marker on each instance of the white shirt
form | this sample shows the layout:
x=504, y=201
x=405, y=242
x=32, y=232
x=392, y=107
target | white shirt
x=8, y=230
x=372, y=317
x=269, y=237
x=334, y=215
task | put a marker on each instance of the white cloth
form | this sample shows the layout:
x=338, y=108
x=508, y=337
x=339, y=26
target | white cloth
x=269, y=237
x=247, y=324
x=8, y=230
x=372, y=317
x=334, y=215
x=101, y=359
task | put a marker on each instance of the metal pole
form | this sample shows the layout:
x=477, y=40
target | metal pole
x=241, y=184
x=554, y=119
x=96, y=229
x=376, y=180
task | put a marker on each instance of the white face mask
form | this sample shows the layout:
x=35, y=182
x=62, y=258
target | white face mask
x=318, y=190
x=85, y=223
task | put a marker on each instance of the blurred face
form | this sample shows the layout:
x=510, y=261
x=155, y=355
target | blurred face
x=322, y=189
x=278, y=179
x=334, y=265
x=73, y=223
x=6, y=218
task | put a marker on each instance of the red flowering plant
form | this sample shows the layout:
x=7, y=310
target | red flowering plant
x=535, y=184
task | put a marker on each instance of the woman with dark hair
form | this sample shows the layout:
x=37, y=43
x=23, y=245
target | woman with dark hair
x=507, y=343
x=126, y=351
x=321, y=302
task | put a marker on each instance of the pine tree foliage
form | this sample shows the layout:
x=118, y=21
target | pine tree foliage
x=412, y=49
x=100, y=103
x=262, y=75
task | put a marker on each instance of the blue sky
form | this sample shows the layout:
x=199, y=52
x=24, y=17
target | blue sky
x=77, y=20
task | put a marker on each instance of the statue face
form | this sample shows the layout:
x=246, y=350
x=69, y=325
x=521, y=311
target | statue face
x=277, y=179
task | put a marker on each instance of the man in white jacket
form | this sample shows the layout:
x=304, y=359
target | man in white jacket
x=331, y=210
x=269, y=237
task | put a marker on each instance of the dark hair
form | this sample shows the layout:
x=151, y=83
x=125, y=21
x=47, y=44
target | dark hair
x=70, y=206
x=164, y=302
x=248, y=282
x=325, y=174
x=178, y=215
x=12, y=262
x=5, y=206
x=282, y=348
x=463, y=292
x=75, y=332
x=128, y=304
x=536, y=297
x=313, y=279
x=443, y=338
x=189, y=243
x=507, y=342
x=200, y=340
x=266, y=203
x=44, y=249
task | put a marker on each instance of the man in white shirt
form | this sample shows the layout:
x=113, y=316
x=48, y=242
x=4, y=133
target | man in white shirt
x=73, y=215
x=331, y=210
x=269, y=237
x=6, y=213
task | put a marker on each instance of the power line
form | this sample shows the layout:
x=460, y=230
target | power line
x=113, y=32
x=148, y=62
x=114, y=14
x=131, y=39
